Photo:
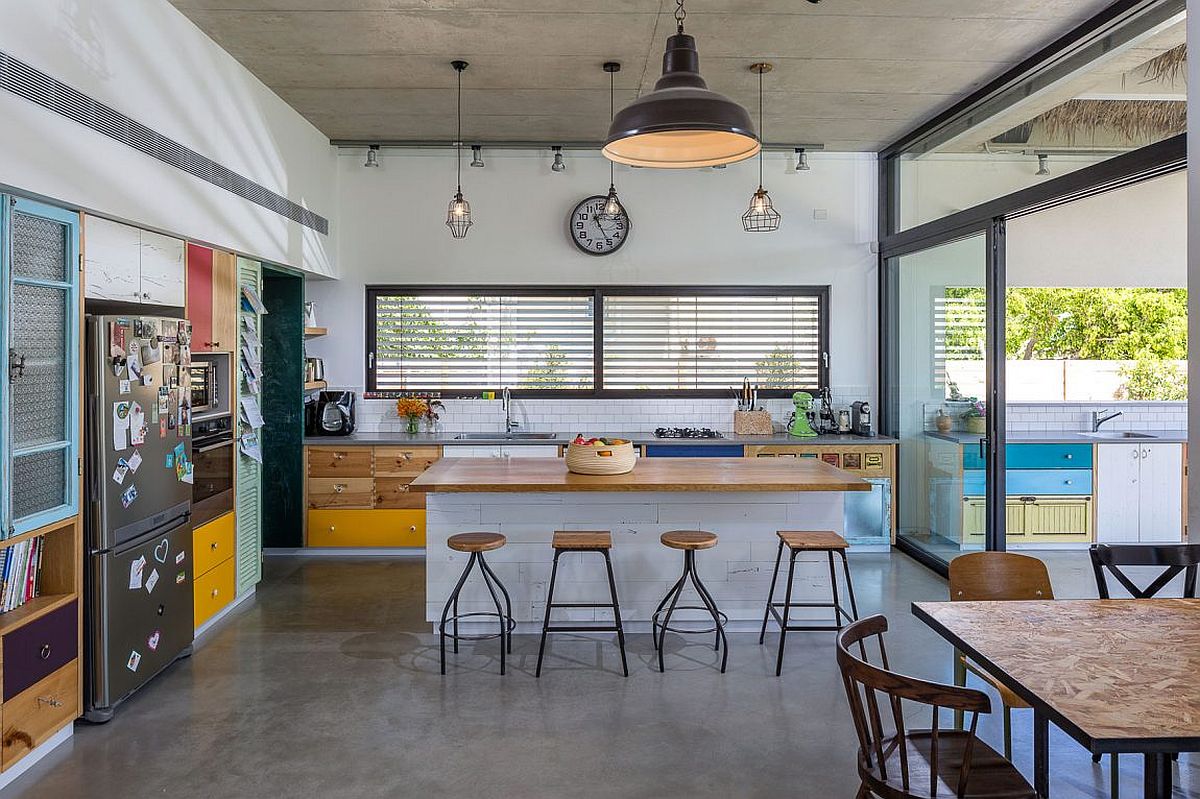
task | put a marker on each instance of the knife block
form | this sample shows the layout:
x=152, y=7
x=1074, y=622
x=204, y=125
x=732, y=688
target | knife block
x=752, y=423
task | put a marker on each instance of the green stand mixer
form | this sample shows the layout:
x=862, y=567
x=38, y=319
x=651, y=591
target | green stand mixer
x=800, y=426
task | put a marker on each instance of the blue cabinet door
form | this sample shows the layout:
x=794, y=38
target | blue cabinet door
x=40, y=360
x=694, y=450
x=1033, y=482
x=1036, y=456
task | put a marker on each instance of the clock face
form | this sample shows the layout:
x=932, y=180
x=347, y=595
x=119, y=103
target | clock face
x=593, y=236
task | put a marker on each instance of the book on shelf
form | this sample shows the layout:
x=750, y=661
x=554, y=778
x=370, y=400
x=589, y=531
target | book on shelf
x=20, y=573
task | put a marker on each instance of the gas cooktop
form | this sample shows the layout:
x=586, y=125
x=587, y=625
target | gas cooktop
x=686, y=432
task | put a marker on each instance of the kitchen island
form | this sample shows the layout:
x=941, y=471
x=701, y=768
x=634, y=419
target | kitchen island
x=745, y=501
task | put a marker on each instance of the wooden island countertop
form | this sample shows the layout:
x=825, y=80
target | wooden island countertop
x=522, y=475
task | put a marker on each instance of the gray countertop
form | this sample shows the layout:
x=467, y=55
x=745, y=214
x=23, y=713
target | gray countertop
x=1066, y=437
x=645, y=437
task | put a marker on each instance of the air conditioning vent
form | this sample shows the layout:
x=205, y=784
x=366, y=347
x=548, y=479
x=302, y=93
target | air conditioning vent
x=38, y=87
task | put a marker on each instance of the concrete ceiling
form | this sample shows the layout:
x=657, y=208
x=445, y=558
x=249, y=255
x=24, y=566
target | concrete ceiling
x=851, y=75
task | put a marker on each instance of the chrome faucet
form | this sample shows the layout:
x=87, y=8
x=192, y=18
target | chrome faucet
x=1100, y=417
x=510, y=423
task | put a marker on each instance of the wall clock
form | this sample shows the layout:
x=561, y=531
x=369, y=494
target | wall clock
x=593, y=236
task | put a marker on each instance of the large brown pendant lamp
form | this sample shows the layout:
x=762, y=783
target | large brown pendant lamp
x=682, y=123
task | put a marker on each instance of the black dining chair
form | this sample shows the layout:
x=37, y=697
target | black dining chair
x=1173, y=559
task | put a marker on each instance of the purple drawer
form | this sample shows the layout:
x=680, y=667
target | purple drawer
x=40, y=648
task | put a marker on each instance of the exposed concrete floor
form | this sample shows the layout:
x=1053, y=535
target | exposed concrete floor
x=327, y=685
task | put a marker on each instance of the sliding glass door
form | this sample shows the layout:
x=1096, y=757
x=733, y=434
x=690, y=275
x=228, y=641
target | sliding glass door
x=940, y=389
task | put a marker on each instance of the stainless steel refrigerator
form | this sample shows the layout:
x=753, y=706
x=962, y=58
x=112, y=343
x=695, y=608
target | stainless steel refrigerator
x=139, y=477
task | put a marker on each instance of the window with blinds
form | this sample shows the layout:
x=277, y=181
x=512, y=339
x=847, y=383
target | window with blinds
x=698, y=341
x=459, y=343
x=710, y=341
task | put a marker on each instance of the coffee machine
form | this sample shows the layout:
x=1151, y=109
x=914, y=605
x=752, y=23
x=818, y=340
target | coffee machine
x=860, y=419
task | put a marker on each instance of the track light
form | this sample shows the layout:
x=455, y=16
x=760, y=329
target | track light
x=477, y=156
x=372, y=156
x=558, y=165
x=1043, y=164
x=802, y=160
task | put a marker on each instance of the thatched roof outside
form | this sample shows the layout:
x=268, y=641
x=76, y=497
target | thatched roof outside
x=1137, y=120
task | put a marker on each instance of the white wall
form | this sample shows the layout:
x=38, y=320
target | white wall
x=1135, y=236
x=686, y=230
x=145, y=59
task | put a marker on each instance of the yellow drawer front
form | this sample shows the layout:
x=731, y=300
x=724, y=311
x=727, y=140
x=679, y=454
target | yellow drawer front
x=212, y=543
x=1060, y=520
x=366, y=528
x=975, y=519
x=214, y=590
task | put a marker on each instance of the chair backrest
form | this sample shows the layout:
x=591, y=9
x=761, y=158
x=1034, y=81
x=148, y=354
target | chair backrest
x=881, y=735
x=998, y=576
x=1172, y=558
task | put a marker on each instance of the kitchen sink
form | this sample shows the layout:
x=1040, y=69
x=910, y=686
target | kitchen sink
x=506, y=437
x=1118, y=435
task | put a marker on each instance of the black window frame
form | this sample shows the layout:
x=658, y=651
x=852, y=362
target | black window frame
x=597, y=293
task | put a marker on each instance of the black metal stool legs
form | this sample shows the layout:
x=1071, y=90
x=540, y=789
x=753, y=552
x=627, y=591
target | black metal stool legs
x=771, y=594
x=617, y=625
x=784, y=619
x=503, y=612
x=671, y=602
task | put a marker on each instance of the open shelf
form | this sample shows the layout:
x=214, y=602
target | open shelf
x=316, y=385
x=33, y=609
x=49, y=529
x=313, y=332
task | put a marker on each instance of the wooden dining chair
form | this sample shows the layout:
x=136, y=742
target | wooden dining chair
x=1173, y=559
x=895, y=762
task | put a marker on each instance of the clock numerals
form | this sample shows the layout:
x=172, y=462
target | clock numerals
x=593, y=236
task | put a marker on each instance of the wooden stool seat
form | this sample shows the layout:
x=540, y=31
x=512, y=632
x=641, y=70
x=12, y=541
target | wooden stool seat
x=689, y=540
x=812, y=541
x=476, y=542
x=581, y=539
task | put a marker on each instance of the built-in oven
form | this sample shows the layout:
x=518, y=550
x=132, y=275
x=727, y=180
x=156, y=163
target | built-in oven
x=205, y=386
x=212, y=458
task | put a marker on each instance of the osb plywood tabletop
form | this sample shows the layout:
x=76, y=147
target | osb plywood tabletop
x=1117, y=670
x=651, y=474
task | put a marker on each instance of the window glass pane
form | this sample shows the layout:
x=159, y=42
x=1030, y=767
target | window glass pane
x=470, y=342
x=39, y=396
x=710, y=342
x=39, y=482
x=1121, y=94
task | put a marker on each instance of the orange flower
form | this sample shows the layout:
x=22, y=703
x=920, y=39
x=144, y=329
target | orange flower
x=412, y=406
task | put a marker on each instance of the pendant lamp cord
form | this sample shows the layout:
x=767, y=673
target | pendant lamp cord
x=458, y=141
x=680, y=14
x=612, y=88
x=761, y=137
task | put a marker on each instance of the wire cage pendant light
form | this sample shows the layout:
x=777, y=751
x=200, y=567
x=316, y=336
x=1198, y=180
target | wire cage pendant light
x=458, y=215
x=761, y=216
x=612, y=210
x=682, y=123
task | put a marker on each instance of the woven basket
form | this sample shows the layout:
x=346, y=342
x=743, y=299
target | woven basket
x=585, y=459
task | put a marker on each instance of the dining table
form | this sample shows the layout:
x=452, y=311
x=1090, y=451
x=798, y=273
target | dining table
x=1119, y=676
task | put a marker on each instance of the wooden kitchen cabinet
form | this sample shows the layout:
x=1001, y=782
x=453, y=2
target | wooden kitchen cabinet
x=212, y=298
x=1139, y=494
x=127, y=264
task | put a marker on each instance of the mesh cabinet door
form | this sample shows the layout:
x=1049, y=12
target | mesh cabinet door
x=42, y=359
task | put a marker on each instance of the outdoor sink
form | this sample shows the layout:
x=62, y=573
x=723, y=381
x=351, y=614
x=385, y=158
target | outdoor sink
x=1118, y=434
x=505, y=437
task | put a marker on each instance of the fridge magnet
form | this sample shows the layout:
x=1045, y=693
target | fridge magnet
x=116, y=340
x=134, y=361
x=139, y=329
x=170, y=376
x=189, y=475
x=152, y=641
x=179, y=556
x=147, y=379
x=184, y=332
x=123, y=387
x=152, y=351
x=135, y=573
x=129, y=496
x=162, y=430
x=169, y=461
x=169, y=329
x=120, y=472
x=181, y=466
x=135, y=460
x=120, y=430
x=137, y=424
x=161, y=551
x=179, y=578
x=164, y=396
x=152, y=581
x=134, y=661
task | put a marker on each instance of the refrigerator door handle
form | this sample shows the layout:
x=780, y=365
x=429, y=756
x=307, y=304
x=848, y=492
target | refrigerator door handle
x=161, y=532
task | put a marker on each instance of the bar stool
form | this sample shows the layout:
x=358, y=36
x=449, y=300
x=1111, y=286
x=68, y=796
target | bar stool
x=689, y=541
x=477, y=544
x=798, y=542
x=599, y=541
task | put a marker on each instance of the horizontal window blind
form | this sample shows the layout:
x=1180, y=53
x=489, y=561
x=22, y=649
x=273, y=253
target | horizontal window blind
x=709, y=342
x=468, y=342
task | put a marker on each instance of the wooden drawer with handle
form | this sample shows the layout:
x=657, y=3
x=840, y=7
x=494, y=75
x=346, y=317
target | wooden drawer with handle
x=39, y=711
x=404, y=461
x=212, y=543
x=33, y=652
x=344, y=462
x=212, y=591
x=393, y=492
x=341, y=492
x=366, y=528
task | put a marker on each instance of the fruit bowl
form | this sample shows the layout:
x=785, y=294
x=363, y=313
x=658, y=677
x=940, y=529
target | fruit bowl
x=600, y=456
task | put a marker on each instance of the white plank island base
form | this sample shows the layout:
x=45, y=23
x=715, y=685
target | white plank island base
x=743, y=501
